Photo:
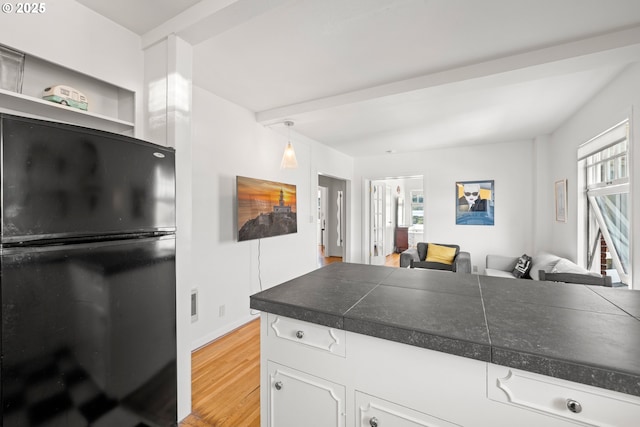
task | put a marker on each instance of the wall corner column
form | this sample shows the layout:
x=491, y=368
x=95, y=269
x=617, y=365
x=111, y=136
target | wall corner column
x=167, y=115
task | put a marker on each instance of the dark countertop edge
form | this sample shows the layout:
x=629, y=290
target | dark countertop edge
x=605, y=378
x=299, y=313
x=453, y=346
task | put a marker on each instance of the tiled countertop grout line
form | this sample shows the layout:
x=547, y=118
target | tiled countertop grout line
x=365, y=295
x=592, y=289
x=486, y=321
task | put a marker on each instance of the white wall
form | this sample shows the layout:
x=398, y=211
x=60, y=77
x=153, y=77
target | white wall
x=544, y=207
x=508, y=164
x=613, y=104
x=228, y=142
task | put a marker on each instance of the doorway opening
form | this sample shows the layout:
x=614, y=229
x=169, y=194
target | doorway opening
x=394, y=213
x=331, y=227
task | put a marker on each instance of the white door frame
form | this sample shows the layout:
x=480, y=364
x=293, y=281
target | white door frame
x=366, y=212
x=345, y=226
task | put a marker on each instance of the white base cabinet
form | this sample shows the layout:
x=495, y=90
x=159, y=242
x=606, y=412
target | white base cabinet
x=312, y=375
x=299, y=399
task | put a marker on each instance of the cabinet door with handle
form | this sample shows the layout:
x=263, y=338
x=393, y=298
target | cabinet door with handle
x=375, y=412
x=298, y=399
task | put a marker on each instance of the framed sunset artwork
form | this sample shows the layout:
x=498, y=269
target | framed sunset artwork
x=265, y=208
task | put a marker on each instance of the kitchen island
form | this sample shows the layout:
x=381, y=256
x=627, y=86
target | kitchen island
x=355, y=345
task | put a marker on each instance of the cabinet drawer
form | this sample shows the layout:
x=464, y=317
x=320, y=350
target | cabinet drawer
x=583, y=404
x=375, y=412
x=323, y=338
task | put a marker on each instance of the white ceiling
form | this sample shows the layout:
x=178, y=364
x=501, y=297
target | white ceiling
x=369, y=76
x=139, y=16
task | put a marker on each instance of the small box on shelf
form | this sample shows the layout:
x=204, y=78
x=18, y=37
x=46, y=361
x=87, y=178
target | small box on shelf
x=66, y=95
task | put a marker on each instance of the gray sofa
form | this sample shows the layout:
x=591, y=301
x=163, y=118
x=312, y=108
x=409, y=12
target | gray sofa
x=416, y=258
x=545, y=266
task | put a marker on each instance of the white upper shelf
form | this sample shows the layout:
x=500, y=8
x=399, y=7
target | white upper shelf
x=17, y=103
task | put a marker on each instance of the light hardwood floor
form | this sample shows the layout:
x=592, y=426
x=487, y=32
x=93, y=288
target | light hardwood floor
x=225, y=377
x=392, y=260
x=326, y=260
x=226, y=381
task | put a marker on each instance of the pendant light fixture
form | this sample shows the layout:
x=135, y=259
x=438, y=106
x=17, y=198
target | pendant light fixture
x=289, y=157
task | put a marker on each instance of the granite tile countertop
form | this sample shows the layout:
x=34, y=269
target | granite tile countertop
x=586, y=334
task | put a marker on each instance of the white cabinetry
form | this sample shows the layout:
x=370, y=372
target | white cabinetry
x=323, y=338
x=413, y=386
x=374, y=412
x=313, y=375
x=576, y=403
x=299, y=399
x=111, y=108
x=300, y=362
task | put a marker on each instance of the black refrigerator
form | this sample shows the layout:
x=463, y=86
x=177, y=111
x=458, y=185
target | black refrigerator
x=88, y=282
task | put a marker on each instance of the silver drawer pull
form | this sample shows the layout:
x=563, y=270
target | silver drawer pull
x=300, y=334
x=278, y=385
x=574, y=406
x=373, y=422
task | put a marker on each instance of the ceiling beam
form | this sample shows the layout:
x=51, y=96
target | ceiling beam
x=622, y=47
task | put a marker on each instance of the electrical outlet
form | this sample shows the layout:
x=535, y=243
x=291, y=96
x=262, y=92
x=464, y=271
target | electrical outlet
x=221, y=310
x=194, y=305
x=475, y=269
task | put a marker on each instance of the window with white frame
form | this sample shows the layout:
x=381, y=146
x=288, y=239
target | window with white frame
x=417, y=208
x=604, y=160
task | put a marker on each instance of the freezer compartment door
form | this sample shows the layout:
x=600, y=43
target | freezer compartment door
x=89, y=335
x=62, y=180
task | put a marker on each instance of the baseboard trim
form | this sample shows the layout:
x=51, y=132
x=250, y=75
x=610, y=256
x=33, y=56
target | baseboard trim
x=220, y=332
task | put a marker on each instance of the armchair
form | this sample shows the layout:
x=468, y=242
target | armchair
x=416, y=258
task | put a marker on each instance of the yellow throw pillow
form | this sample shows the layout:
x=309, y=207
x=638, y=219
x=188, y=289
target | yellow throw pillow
x=441, y=254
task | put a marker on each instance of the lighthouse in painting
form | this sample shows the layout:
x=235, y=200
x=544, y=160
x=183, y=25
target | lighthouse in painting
x=281, y=208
